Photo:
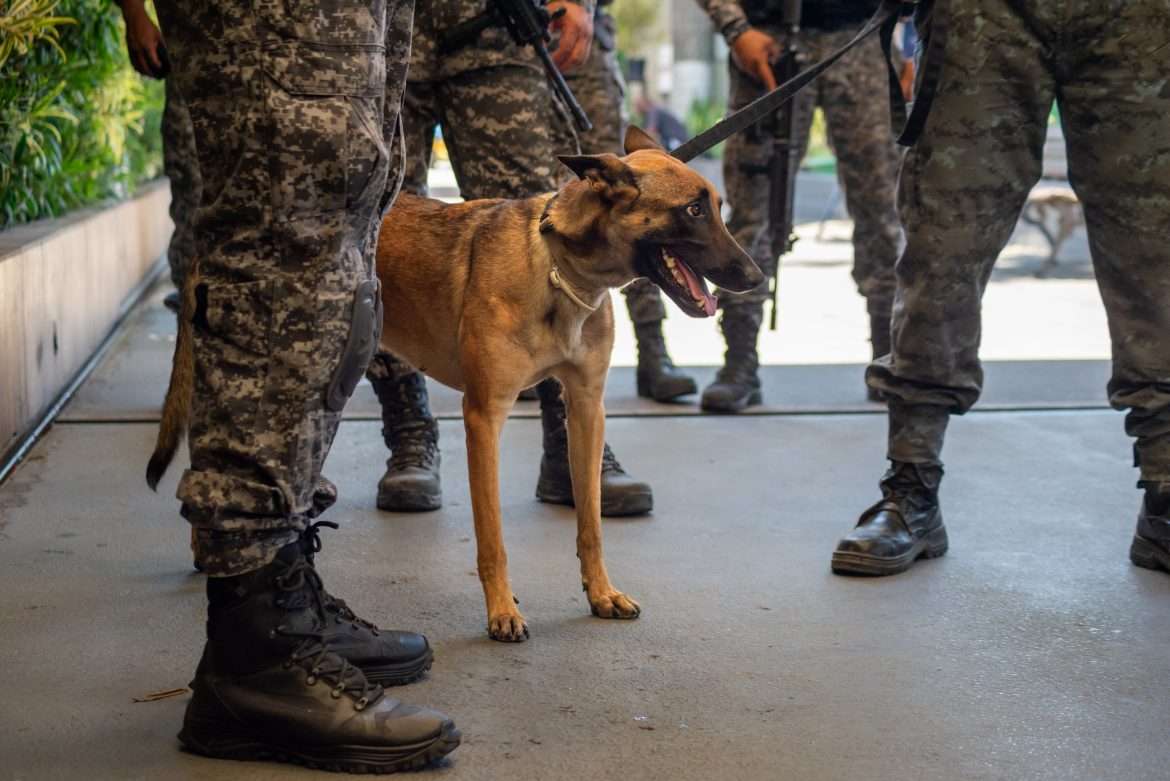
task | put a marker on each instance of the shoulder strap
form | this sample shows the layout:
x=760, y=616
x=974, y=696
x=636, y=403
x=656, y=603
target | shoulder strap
x=884, y=20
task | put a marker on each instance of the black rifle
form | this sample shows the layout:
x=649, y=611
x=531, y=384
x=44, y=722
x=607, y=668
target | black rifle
x=527, y=22
x=785, y=160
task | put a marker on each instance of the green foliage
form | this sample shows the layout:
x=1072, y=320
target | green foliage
x=637, y=25
x=77, y=124
x=702, y=115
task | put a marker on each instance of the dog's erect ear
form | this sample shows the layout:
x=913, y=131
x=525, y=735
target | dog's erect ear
x=609, y=177
x=637, y=138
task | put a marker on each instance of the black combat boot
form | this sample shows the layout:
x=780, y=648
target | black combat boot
x=1151, y=542
x=658, y=378
x=388, y=657
x=270, y=686
x=879, y=337
x=620, y=493
x=901, y=528
x=737, y=384
x=411, y=482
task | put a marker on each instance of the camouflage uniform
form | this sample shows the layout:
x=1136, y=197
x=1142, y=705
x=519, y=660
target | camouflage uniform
x=501, y=123
x=292, y=190
x=503, y=128
x=965, y=182
x=600, y=89
x=853, y=96
x=182, y=167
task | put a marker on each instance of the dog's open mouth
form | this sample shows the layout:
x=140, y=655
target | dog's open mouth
x=681, y=283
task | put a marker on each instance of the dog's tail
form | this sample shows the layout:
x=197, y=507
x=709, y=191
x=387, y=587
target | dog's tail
x=176, y=411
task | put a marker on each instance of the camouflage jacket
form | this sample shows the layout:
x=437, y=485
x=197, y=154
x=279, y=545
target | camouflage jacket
x=493, y=47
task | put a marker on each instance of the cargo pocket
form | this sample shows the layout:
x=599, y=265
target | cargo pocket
x=324, y=137
x=233, y=354
x=336, y=22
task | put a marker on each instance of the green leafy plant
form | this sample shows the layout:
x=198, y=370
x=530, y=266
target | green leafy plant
x=27, y=22
x=77, y=125
x=702, y=115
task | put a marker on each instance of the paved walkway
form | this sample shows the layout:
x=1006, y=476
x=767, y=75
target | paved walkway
x=1034, y=650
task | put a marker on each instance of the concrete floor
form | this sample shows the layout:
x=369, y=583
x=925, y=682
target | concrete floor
x=1033, y=651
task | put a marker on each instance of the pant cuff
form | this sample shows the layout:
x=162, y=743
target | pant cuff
x=1152, y=456
x=227, y=554
x=917, y=432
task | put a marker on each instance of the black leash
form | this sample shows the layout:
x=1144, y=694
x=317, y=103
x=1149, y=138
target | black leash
x=883, y=19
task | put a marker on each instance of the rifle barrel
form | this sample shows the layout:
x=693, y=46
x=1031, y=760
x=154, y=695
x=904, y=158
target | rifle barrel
x=579, y=116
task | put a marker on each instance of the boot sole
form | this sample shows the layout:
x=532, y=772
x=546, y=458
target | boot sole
x=629, y=504
x=739, y=405
x=339, y=759
x=931, y=546
x=1148, y=555
x=409, y=501
x=401, y=673
x=669, y=391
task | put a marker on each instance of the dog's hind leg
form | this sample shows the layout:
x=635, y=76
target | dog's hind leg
x=586, y=423
x=483, y=418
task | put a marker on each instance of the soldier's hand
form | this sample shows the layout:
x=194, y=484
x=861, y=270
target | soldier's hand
x=143, y=40
x=574, y=26
x=753, y=53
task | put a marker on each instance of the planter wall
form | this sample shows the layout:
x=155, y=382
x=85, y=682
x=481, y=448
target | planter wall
x=64, y=284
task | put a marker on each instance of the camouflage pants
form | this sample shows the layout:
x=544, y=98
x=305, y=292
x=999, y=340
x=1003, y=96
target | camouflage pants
x=501, y=125
x=182, y=168
x=963, y=186
x=853, y=96
x=287, y=105
x=601, y=91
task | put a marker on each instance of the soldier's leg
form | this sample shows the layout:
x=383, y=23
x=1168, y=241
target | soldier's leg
x=599, y=88
x=504, y=130
x=1118, y=132
x=293, y=169
x=746, y=183
x=961, y=191
x=857, y=114
x=411, y=482
x=181, y=166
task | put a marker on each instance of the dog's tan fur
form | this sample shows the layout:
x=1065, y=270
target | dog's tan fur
x=469, y=300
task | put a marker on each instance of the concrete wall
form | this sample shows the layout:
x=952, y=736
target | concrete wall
x=63, y=285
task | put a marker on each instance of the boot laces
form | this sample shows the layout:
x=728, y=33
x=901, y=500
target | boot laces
x=414, y=445
x=304, y=585
x=609, y=463
x=311, y=544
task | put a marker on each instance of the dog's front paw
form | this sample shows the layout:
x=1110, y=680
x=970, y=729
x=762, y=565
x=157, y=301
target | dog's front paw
x=614, y=604
x=508, y=627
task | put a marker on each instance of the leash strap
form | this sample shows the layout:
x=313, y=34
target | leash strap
x=884, y=19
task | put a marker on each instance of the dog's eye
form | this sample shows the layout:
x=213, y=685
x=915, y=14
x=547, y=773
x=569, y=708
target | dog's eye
x=695, y=209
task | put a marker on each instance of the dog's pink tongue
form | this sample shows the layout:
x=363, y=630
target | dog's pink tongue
x=697, y=291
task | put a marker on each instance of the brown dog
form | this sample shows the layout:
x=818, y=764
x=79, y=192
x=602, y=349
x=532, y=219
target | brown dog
x=492, y=296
